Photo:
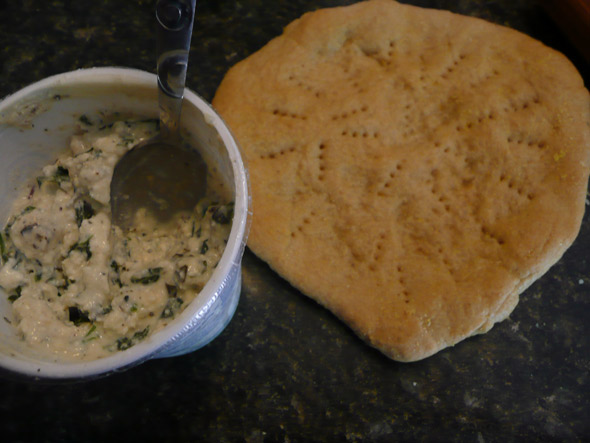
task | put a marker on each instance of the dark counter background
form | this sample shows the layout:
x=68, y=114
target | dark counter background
x=286, y=370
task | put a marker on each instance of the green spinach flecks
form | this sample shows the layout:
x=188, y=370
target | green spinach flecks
x=124, y=343
x=84, y=119
x=17, y=293
x=29, y=228
x=77, y=316
x=83, y=247
x=3, y=250
x=194, y=228
x=90, y=334
x=127, y=140
x=152, y=275
x=84, y=211
x=180, y=274
x=223, y=214
x=172, y=307
x=27, y=210
x=61, y=175
x=172, y=290
x=117, y=277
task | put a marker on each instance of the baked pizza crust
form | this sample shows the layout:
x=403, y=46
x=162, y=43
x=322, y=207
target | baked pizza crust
x=412, y=170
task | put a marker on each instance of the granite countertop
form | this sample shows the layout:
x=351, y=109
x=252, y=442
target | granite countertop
x=285, y=369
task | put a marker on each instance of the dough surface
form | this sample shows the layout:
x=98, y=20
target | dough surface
x=412, y=170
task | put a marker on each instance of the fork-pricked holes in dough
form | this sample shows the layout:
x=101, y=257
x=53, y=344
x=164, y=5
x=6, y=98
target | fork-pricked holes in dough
x=305, y=221
x=488, y=233
x=288, y=114
x=277, y=154
x=378, y=251
x=401, y=280
x=388, y=186
x=359, y=133
x=517, y=187
x=350, y=113
x=321, y=161
x=489, y=76
x=452, y=66
x=306, y=87
x=522, y=103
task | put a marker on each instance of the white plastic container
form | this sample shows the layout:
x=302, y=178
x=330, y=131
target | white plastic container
x=35, y=125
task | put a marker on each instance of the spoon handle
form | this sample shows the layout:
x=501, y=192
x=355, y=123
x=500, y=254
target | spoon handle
x=175, y=27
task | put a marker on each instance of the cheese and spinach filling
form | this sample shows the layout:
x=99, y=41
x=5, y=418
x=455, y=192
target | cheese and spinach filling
x=80, y=287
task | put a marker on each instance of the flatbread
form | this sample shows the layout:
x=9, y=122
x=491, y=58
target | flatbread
x=412, y=170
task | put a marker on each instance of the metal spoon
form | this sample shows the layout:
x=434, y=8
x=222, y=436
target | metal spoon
x=163, y=174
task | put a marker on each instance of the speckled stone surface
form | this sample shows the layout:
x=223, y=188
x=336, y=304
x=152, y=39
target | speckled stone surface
x=285, y=370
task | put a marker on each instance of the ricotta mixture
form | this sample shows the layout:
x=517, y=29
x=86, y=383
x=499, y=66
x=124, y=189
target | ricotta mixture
x=82, y=289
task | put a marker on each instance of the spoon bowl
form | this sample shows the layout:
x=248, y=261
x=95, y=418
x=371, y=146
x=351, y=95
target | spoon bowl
x=162, y=177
